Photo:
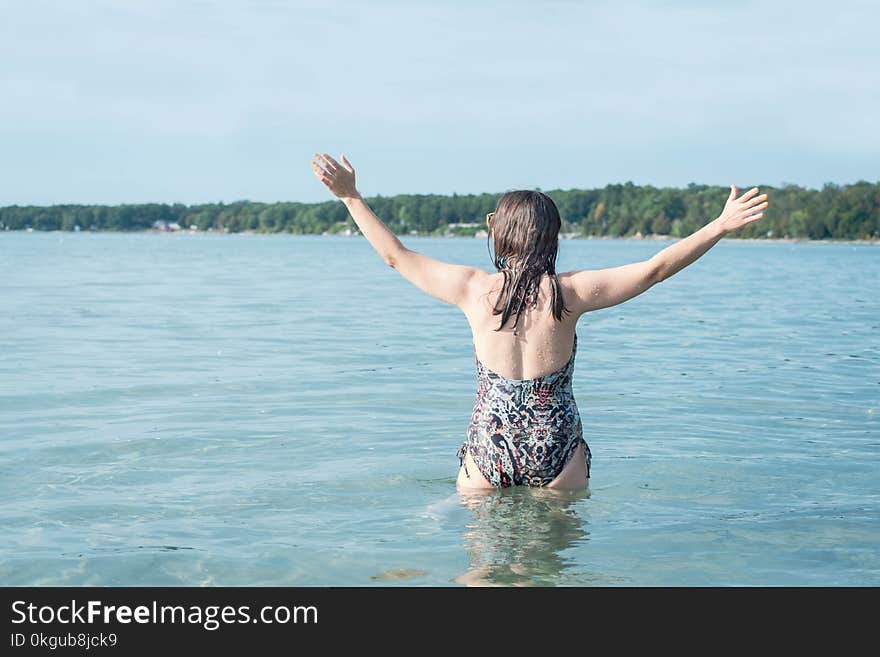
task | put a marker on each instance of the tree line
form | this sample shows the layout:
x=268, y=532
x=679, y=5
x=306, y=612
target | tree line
x=849, y=212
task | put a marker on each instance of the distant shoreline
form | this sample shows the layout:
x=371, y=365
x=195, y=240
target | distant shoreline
x=569, y=236
x=845, y=213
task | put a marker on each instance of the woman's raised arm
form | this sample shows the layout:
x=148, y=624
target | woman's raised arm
x=450, y=283
x=601, y=288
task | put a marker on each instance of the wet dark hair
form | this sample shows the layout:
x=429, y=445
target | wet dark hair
x=525, y=230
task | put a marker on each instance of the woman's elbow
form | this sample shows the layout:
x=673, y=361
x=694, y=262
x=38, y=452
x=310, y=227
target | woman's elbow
x=392, y=258
x=654, y=273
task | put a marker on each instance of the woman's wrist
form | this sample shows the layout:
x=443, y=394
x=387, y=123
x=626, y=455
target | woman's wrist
x=349, y=198
x=717, y=226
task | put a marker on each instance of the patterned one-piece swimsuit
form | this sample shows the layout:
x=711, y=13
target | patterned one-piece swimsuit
x=524, y=432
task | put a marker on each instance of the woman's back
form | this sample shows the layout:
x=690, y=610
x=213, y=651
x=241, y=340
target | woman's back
x=542, y=344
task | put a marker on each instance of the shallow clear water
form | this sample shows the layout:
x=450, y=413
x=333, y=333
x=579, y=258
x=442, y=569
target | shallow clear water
x=281, y=410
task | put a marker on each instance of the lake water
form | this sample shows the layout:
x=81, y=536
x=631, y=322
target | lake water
x=286, y=410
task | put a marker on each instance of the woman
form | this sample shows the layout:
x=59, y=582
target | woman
x=525, y=428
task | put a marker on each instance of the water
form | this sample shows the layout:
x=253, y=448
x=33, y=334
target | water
x=280, y=410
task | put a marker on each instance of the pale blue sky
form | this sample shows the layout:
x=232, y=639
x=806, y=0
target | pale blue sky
x=167, y=101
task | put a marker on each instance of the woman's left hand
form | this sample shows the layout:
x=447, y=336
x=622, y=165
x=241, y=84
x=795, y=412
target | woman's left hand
x=339, y=178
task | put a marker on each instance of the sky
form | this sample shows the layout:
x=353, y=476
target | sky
x=137, y=101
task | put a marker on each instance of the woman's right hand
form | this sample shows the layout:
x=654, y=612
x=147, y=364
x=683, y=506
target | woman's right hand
x=742, y=211
x=339, y=178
